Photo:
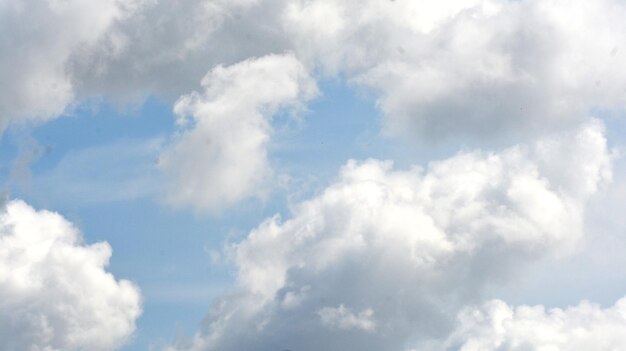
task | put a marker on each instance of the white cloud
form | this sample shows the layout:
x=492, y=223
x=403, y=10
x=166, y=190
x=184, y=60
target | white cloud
x=220, y=155
x=54, y=291
x=40, y=40
x=342, y=318
x=119, y=171
x=474, y=68
x=412, y=247
x=471, y=68
x=409, y=246
x=497, y=326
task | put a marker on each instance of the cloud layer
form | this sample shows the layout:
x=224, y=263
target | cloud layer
x=54, y=291
x=472, y=68
x=384, y=258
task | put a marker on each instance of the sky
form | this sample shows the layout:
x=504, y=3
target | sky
x=397, y=175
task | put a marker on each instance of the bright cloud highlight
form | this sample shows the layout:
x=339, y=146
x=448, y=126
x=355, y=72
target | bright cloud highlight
x=55, y=294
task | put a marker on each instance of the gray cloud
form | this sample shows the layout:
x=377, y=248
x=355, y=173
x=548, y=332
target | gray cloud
x=39, y=41
x=472, y=69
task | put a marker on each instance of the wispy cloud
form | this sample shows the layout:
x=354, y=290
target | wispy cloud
x=120, y=171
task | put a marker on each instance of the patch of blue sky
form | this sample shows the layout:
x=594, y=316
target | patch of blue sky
x=97, y=168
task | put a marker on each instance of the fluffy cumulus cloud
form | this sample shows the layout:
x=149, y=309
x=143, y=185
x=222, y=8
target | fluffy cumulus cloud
x=384, y=258
x=498, y=326
x=168, y=45
x=40, y=40
x=473, y=67
x=54, y=291
x=220, y=155
x=456, y=68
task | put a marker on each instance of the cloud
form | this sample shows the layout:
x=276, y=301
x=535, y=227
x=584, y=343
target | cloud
x=476, y=68
x=54, y=291
x=458, y=68
x=498, y=326
x=39, y=43
x=387, y=257
x=168, y=46
x=220, y=155
x=382, y=256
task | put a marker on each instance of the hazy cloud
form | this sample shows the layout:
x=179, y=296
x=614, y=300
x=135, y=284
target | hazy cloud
x=119, y=171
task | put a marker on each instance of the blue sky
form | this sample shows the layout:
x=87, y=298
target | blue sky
x=312, y=175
